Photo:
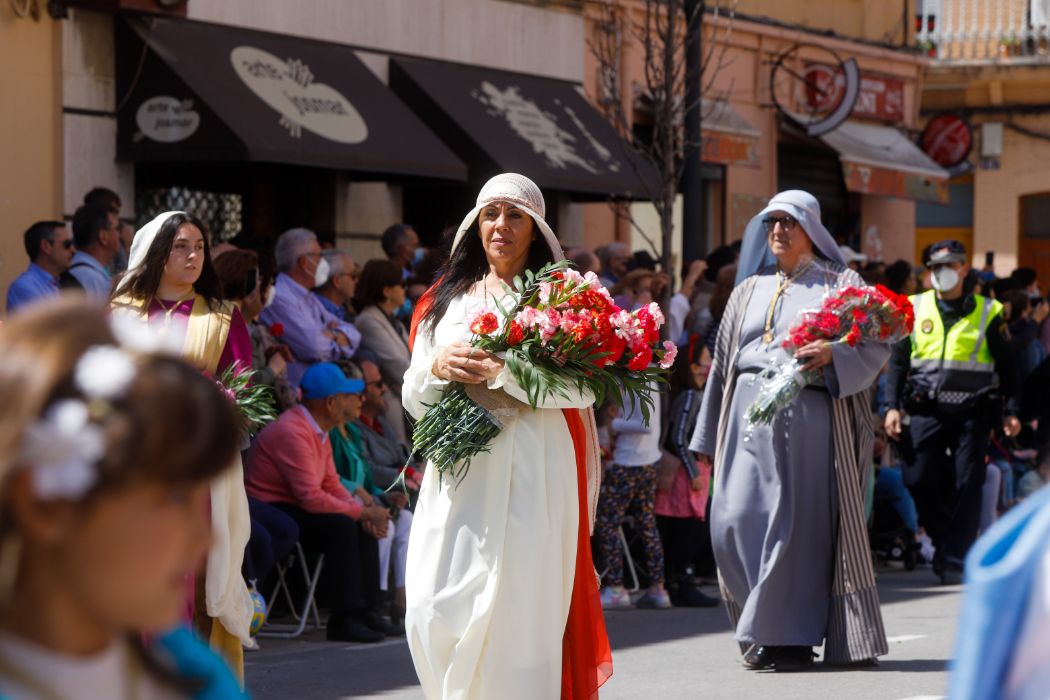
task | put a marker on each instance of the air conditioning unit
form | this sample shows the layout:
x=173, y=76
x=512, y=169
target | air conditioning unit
x=167, y=7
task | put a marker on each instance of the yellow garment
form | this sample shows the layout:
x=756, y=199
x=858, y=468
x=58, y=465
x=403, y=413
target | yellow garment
x=966, y=341
x=229, y=647
x=226, y=597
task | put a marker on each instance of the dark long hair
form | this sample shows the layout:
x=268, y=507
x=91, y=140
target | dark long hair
x=376, y=275
x=468, y=264
x=144, y=281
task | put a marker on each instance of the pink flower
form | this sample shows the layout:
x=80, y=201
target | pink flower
x=545, y=292
x=573, y=277
x=529, y=317
x=670, y=352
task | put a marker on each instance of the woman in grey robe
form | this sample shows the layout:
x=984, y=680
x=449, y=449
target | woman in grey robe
x=787, y=512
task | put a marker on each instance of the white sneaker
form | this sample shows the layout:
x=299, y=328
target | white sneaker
x=615, y=598
x=926, y=548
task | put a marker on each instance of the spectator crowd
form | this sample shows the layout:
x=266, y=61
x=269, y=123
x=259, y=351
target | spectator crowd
x=330, y=335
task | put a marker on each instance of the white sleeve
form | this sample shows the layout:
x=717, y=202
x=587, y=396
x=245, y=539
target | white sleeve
x=421, y=388
x=676, y=314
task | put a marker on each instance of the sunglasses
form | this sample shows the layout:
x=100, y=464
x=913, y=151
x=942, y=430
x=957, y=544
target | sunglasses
x=67, y=244
x=787, y=223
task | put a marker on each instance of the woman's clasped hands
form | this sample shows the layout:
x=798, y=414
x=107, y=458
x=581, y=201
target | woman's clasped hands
x=462, y=362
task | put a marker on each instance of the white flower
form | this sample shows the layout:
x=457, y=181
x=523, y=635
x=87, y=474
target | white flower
x=62, y=450
x=104, y=372
x=134, y=333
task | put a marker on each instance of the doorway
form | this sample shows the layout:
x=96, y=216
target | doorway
x=1034, y=245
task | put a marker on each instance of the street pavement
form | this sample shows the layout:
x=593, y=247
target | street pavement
x=677, y=654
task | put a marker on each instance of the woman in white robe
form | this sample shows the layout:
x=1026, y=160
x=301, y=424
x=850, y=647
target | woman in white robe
x=493, y=559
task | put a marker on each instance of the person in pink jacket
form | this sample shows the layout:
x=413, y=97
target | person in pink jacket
x=290, y=466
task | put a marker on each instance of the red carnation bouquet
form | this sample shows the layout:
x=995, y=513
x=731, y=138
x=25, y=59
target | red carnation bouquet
x=561, y=334
x=850, y=315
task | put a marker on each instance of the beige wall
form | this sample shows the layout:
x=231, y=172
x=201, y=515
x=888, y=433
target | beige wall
x=89, y=83
x=30, y=133
x=874, y=20
x=492, y=33
x=1023, y=170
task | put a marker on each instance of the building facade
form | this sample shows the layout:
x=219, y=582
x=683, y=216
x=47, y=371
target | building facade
x=986, y=97
x=30, y=132
x=763, y=62
x=348, y=196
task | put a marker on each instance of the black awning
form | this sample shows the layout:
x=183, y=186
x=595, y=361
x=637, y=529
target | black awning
x=541, y=127
x=198, y=91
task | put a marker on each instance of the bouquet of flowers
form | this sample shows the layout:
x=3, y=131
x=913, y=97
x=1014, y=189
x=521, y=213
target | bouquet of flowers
x=255, y=403
x=849, y=315
x=562, y=333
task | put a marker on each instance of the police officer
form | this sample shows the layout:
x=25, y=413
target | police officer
x=949, y=377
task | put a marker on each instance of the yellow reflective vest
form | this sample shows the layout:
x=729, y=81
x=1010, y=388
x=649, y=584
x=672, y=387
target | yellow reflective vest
x=956, y=366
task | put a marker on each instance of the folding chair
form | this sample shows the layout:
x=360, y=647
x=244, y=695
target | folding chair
x=297, y=559
x=628, y=561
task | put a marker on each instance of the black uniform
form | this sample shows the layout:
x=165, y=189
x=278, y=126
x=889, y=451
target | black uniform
x=947, y=486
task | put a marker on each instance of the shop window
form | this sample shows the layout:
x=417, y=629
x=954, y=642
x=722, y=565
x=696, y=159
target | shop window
x=1035, y=215
x=221, y=213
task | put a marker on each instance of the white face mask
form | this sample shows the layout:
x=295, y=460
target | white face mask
x=271, y=294
x=321, y=273
x=944, y=279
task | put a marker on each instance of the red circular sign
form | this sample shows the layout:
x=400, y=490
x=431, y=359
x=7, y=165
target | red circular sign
x=947, y=140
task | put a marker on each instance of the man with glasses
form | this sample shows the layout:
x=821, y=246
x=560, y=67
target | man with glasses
x=49, y=246
x=949, y=377
x=383, y=450
x=97, y=239
x=336, y=293
x=312, y=332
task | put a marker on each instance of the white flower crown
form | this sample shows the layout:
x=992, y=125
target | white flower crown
x=63, y=447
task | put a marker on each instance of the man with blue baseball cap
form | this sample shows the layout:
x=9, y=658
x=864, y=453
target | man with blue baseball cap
x=291, y=467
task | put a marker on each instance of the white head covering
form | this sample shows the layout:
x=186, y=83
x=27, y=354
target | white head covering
x=140, y=245
x=522, y=193
x=804, y=207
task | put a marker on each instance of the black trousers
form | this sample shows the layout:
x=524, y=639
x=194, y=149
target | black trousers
x=351, y=558
x=274, y=535
x=947, y=487
x=683, y=540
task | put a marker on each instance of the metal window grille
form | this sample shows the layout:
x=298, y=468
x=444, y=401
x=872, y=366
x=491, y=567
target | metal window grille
x=221, y=213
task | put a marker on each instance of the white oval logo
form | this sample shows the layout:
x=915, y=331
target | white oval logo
x=166, y=119
x=289, y=87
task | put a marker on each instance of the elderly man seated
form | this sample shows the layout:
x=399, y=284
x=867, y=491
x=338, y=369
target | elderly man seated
x=291, y=467
x=312, y=332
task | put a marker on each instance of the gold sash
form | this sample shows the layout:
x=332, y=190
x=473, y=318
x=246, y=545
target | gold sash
x=207, y=329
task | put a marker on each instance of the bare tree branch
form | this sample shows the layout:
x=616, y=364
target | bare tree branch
x=660, y=29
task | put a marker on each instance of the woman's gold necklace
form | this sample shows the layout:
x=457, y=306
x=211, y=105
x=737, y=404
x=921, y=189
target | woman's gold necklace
x=168, y=312
x=784, y=280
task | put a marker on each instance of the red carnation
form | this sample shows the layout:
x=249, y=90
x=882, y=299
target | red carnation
x=515, y=333
x=642, y=359
x=277, y=330
x=484, y=324
x=854, y=335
